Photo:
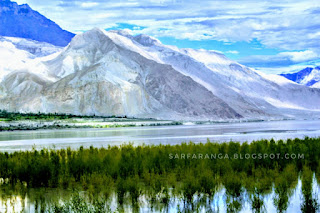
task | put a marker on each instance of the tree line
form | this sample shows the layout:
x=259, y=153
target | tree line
x=16, y=116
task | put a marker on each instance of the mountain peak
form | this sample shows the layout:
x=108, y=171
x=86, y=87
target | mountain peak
x=307, y=76
x=94, y=32
x=25, y=6
x=91, y=36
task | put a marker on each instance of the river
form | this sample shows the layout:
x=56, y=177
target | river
x=74, y=138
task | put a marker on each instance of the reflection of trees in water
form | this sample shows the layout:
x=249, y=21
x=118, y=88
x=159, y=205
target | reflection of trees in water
x=258, y=187
x=233, y=184
x=310, y=204
x=191, y=196
x=285, y=184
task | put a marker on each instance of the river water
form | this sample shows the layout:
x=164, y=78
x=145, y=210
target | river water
x=74, y=138
x=219, y=203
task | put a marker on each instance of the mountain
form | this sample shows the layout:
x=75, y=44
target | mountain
x=35, y=48
x=308, y=76
x=115, y=73
x=21, y=21
x=316, y=85
x=18, y=54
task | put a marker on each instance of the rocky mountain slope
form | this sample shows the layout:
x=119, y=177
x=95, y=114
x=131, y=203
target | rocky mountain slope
x=21, y=21
x=115, y=73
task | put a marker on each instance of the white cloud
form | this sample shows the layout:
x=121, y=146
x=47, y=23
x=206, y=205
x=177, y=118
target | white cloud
x=300, y=56
x=281, y=62
x=89, y=4
x=233, y=52
x=288, y=25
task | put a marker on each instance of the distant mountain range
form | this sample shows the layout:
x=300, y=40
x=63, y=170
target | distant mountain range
x=115, y=73
x=308, y=76
x=21, y=21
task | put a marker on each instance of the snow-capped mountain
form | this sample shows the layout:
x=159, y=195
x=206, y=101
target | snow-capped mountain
x=21, y=21
x=35, y=48
x=115, y=73
x=18, y=54
x=308, y=76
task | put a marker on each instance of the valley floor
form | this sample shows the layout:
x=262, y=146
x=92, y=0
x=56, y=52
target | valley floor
x=12, y=121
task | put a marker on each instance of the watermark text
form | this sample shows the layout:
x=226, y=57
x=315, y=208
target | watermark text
x=236, y=156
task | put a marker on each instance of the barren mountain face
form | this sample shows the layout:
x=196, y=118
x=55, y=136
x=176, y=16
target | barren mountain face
x=114, y=73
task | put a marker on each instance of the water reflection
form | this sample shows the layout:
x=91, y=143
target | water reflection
x=289, y=193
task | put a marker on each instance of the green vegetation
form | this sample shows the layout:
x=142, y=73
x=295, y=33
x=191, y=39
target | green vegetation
x=22, y=121
x=159, y=174
x=22, y=127
x=17, y=116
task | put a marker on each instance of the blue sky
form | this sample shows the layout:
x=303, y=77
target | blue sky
x=273, y=36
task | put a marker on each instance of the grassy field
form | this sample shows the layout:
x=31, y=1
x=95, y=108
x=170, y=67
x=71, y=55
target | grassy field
x=160, y=173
